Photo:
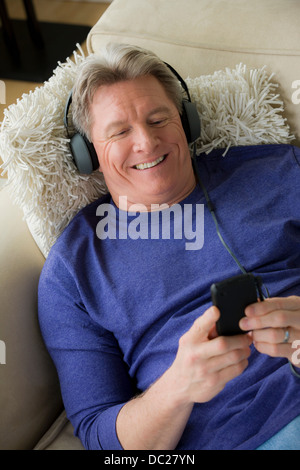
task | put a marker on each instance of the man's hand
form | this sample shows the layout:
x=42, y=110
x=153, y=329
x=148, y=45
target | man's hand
x=275, y=324
x=203, y=365
x=206, y=362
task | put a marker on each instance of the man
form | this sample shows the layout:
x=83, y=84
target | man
x=126, y=312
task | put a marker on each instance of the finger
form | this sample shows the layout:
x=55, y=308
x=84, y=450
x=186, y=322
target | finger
x=232, y=357
x=222, y=345
x=228, y=373
x=215, y=382
x=275, y=313
x=203, y=325
x=275, y=350
x=213, y=332
x=274, y=335
x=291, y=303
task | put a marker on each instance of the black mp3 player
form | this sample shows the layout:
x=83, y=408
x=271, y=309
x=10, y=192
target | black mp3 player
x=232, y=296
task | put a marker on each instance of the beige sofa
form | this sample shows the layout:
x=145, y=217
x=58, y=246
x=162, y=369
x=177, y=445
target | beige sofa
x=197, y=37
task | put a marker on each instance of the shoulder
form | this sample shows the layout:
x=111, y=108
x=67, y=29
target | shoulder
x=256, y=163
x=88, y=215
x=242, y=154
x=71, y=244
x=296, y=153
x=82, y=225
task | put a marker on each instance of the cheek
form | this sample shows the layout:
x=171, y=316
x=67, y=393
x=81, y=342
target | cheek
x=176, y=134
x=103, y=152
x=111, y=157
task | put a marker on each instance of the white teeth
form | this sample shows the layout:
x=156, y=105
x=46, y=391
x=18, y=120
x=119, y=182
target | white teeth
x=143, y=166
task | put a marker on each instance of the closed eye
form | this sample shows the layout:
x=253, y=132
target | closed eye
x=120, y=133
x=159, y=122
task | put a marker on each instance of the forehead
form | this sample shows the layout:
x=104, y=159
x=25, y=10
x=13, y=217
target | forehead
x=121, y=98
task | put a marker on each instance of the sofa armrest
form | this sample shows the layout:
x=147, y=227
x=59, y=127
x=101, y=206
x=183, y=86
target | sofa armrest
x=29, y=391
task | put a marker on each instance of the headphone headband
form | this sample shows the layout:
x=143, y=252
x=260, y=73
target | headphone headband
x=67, y=107
x=182, y=82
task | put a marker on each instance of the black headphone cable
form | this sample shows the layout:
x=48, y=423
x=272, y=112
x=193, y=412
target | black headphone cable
x=211, y=208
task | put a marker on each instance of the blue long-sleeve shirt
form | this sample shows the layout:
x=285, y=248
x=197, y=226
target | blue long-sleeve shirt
x=112, y=308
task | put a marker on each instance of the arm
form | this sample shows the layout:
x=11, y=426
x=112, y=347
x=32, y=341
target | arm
x=96, y=387
x=201, y=369
x=93, y=377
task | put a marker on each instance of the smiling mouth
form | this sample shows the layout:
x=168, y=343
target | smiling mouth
x=144, y=166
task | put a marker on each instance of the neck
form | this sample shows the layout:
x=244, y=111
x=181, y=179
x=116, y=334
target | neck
x=123, y=203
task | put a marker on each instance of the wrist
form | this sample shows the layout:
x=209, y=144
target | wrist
x=175, y=392
x=159, y=415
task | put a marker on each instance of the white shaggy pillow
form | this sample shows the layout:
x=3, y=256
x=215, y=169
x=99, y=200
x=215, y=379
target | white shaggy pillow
x=42, y=178
x=237, y=107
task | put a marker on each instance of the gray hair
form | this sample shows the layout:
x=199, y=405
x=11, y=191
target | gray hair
x=116, y=63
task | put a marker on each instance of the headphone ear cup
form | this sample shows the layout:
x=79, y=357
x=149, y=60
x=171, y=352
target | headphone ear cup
x=190, y=121
x=84, y=154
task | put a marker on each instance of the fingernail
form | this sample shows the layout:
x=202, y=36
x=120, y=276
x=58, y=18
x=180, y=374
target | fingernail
x=244, y=324
x=249, y=311
x=214, y=312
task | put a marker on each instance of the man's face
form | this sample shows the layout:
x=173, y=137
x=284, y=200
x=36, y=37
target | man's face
x=141, y=146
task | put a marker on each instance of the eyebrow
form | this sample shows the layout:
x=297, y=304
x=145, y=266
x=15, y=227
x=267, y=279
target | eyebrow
x=116, y=124
x=160, y=109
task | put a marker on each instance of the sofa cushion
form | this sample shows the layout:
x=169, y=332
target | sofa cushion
x=60, y=436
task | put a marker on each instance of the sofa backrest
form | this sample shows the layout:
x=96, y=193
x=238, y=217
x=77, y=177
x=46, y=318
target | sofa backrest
x=199, y=37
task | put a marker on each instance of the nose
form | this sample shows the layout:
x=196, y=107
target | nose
x=145, y=139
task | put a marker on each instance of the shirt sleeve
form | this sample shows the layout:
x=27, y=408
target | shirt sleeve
x=94, y=379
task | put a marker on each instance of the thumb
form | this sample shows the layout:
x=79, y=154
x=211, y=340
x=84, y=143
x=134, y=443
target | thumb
x=203, y=327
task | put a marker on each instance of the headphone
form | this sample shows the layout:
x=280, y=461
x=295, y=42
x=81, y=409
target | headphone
x=82, y=150
x=84, y=153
